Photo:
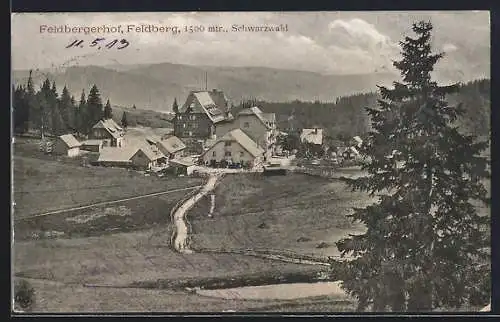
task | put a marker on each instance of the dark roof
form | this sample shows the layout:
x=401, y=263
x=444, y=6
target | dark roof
x=212, y=103
x=110, y=125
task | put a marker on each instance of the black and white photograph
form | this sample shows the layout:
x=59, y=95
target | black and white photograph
x=251, y=162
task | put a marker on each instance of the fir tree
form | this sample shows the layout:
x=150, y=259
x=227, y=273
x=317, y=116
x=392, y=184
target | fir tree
x=108, y=111
x=424, y=244
x=57, y=123
x=66, y=109
x=134, y=107
x=124, y=120
x=20, y=110
x=82, y=115
x=175, y=106
x=94, y=106
x=32, y=105
x=44, y=99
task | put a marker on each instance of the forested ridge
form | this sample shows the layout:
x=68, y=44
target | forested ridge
x=347, y=116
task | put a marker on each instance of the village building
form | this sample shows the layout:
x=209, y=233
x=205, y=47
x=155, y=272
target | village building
x=116, y=157
x=92, y=145
x=234, y=148
x=109, y=132
x=66, y=145
x=198, y=116
x=259, y=126
x=182, y=166
x=140, y=157
x=172, y=147
x=313, y=136
x=146, y=158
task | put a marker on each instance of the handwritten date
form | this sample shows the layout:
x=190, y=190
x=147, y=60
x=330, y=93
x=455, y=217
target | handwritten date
x=100, y=42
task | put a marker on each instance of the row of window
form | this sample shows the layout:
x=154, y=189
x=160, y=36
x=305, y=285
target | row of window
x=191, y=117
x=228, y=154
x=193, y=125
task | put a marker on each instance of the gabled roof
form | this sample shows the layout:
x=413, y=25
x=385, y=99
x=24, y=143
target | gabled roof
x=358, y=139
x=212, y=103
x=92, y=142
x=110, y=125
x=113, y=154
x=152, y=139
x=243, y=140
x=265, y=118
x=314, y=136
x=70, y=140
x=172, y=144
x=150, y=152
x=185, y=162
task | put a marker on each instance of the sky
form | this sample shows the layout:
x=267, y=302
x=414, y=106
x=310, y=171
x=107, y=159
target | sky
x=324, y=42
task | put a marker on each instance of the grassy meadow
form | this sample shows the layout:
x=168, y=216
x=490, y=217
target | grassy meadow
x=296, y=212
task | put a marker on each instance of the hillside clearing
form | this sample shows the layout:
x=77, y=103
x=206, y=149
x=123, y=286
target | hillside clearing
x=44, y=185
x=294, y=212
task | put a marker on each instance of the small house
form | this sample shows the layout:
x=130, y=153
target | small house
x=234, y=148
x=313, y=136
x=109, y=132
x=172, y=147
x=116, y=157
x=147, y=157
x=183, y=166
x=92, y=145
x=66, y=145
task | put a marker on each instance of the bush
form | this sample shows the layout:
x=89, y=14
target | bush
x=24, y=294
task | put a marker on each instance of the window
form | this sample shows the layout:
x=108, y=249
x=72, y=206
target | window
x=227, y=154
x=190, y=133
x=246, y=125
x=242, y=153
x=179, y=117
x=214, y=154
x=227, y=143
x=193, y=117
x=184, y=125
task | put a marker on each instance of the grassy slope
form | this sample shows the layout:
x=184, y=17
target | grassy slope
x=129, y=257
x=58, y=297
x=291, y=207
x=44, y=183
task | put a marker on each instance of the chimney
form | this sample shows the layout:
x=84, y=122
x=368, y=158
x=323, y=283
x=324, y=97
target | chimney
x=315, y=131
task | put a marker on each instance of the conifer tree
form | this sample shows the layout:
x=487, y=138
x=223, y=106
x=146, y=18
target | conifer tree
x=124, y=120
x=94, y=106
x=66, y=109
x=424, y=247
x=32, y=104
x=108, y=111
x=57, y=123
x=175, y=106
x=20, y=109
x=44, y=99
x=82, y=115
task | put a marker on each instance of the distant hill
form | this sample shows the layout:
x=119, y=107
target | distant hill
x=347, y=116
x=145, y=118
x=154, y=86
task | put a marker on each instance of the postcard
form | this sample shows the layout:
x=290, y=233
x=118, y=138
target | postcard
x=251, y=162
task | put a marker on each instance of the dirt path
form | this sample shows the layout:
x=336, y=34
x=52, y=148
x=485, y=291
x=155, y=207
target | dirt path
x=104, y=203
x=180, y=224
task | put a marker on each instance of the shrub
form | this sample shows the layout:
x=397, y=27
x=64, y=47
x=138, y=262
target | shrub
x=24, y=294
